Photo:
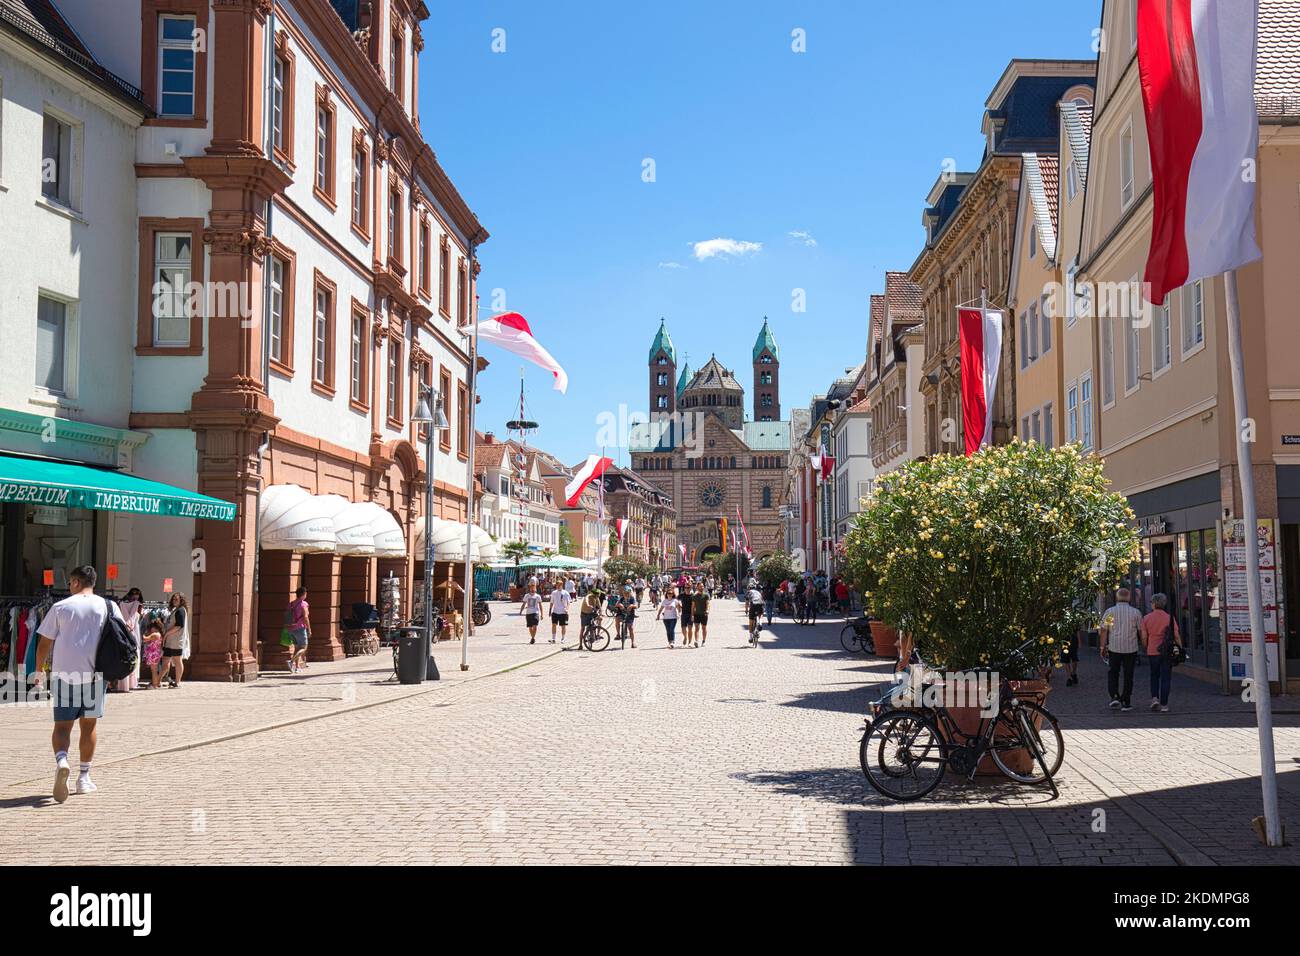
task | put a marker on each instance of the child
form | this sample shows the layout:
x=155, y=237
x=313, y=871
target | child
x=153, y=647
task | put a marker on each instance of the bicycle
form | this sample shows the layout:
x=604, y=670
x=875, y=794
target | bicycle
x=594, y=637
x=856, y=636
x=905, y=752
x=482, y=613
x=755, y=628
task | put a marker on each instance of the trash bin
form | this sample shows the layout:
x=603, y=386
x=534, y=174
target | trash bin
x=410, y=655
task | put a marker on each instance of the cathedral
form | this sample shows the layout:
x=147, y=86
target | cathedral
x=712, y=454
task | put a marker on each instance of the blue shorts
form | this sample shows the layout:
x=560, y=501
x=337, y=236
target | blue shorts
x=299, y=635
x=74, y=701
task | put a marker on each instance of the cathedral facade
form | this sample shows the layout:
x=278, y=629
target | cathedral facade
x=713, y=454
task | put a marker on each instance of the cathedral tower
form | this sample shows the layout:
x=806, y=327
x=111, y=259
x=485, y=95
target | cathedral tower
x=663, y=373
x=767, y=377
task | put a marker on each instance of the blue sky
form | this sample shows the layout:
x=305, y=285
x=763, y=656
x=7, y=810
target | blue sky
x=750, y=140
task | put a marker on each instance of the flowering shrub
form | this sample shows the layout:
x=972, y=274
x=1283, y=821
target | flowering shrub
x=974, y=556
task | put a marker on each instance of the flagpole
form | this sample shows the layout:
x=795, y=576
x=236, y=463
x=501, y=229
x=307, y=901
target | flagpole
x=1258, y=646
x=468, y=622
x=604, y=528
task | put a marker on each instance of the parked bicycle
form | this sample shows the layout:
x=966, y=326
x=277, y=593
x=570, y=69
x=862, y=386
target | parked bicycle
x=905, y=752
x=482, y=613
x=856, y=636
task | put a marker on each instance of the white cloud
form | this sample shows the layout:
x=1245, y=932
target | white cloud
x=725, y=247
x=671, y=265
x=803, y=236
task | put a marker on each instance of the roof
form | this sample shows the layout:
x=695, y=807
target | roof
x=903, y=298
x=713, y=375
x=765, y=341
x=766, y=436
x=489, y=455
x=683, y=379
x=1040, y=174
x=1078, y=130
x=877, y=318
x=1277, y=69
x=663, y=341
x=657, y=436
x=39, y=24
x=1023, y=105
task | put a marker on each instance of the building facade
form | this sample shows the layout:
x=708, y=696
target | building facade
x=650, y=533
x=519, y=502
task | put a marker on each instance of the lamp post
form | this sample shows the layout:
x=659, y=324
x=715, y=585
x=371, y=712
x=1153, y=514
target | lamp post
x=429, y=413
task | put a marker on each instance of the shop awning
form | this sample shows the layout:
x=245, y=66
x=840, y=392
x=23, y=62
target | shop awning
x=449, y=541
x=292, y=519
x=61, y=485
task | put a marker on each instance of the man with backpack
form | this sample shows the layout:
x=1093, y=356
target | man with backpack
x=71, y=631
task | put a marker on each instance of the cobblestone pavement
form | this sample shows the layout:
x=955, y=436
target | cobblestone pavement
x=723, y=754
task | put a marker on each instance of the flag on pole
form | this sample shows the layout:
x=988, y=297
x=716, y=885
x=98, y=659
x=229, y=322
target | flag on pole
x=589, y=472
x=620, y=528
x=682, y=549
x=827, y=464
x=815, y=463
x=744, y=533
x=980, y=332
x=1196, y=60
x=510, y=331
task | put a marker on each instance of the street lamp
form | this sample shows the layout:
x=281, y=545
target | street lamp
x=429, y=413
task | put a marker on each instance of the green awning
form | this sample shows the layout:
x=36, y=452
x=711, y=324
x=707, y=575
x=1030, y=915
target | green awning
x=62, y=485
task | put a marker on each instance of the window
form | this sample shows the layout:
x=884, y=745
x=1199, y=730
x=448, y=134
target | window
x=1033, y=332
x=1025, y=433
x=426, y=256
x=764, y=378
x=462, y=293
x=395, y=225
x=767, y=496
x=1071, y=313
x=766, y=401
x=1049, y=426
x=276, y=323
x=1044, y=315
x=176, y=60
x=1126, y=165
x=56, y=161
x=462, y=419
x=395, y=53
x=662, y=379
x=323, y=178
x=357, y=358
x=1085, y=410
x=444, y=278
x=51, y=340
x=1072, y=413
x=393, y=380
x=322, y=352
x=661, y=402
x=1193, y=313
x=1132, y=357
x=1160, y=350
x=1036, y=426
x=444, y=386
x=1071, y=181
x=1033, y=239
x=360, y=187
x=1107, y=361
x=279, y=103
x=172, y=275
x=426, y=383
x=1024, y=340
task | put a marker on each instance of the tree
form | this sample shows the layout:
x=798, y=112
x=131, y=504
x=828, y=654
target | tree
x=548, y=553
x=975, y=555
x=517, y=550
x=619, y=569
x=776, y=568
x=567, y=546
x=723, y=565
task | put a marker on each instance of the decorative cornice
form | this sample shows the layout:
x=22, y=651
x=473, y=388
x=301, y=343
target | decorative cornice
x=247, y=242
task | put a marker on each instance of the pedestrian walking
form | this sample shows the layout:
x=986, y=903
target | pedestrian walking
x=686, y=615
x=1119, y=647
x=531, y=608
x=669, y=611
x=297, y=618
x=769, y=601
x=1162, y=644
x=700, y=614
x=176, y=638
x=559, y=612
x=69, y=639
x=627, y=608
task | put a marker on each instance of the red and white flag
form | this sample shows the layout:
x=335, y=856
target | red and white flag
x=980, y=333
x=1196, y=60
x=510, y=331
x=744, y=533
x=620, y=528
x=682, y=549
x=827, y=465
x=593, y=469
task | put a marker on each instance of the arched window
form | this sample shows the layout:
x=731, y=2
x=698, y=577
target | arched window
x=767, y=496
x=733, y=461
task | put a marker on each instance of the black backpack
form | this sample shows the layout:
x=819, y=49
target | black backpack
x=116, y=654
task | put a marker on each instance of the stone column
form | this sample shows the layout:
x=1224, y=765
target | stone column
x=321, y=575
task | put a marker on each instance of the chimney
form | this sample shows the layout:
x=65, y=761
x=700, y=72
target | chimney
x=489, y=438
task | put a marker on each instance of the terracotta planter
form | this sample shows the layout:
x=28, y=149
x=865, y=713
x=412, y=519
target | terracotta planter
x=885, y=639
x=515, y=596
x=967, y=720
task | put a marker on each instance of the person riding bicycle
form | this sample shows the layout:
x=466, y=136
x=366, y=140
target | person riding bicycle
x=627, y=616
x=754, y=605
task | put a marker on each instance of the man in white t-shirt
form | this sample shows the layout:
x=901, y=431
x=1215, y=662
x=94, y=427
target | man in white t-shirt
x=560, y=601
x=71, y=631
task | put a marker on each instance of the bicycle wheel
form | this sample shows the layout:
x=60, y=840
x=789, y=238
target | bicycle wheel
x=850, y=641
x=903, y=756
x=595, y=638
x=1032, y=730
x=481, y=616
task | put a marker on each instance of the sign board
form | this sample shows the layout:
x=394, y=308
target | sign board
x=1291, y=439
x=167, y=585
x=48, y=515
x=47, y=577
x=1236, y=603
x=112, y=572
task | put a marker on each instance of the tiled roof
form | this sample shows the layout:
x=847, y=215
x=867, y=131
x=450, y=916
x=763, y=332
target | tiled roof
x=1277, y=71
x=490, y=456
x=877, y=320
x=713, y=375
x=864, y=405
x=903, y=296
x=39, y=23
x=663, y=341
x=767, y=341
x=1041, y=181
x=1078, y=129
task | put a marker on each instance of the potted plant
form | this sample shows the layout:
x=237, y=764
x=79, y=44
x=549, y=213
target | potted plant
x=973, y=556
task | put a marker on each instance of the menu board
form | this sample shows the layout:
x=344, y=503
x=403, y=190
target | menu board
x=1236, y=601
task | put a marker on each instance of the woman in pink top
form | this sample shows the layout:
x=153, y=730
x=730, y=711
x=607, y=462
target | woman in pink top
x=1153, y=630
x=297, y=618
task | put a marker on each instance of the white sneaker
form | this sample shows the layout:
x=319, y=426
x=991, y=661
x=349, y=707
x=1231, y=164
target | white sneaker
x=86, y=785
x=1155, y=703
x=61, y=783
x=1164, y=708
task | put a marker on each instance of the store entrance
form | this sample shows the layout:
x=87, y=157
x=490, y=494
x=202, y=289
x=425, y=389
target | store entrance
x=1163, y=580
x=1291, y=590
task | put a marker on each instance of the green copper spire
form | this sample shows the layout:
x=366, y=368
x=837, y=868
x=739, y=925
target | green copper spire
x=767, y=341
x=683, y=378
x=662, y=341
